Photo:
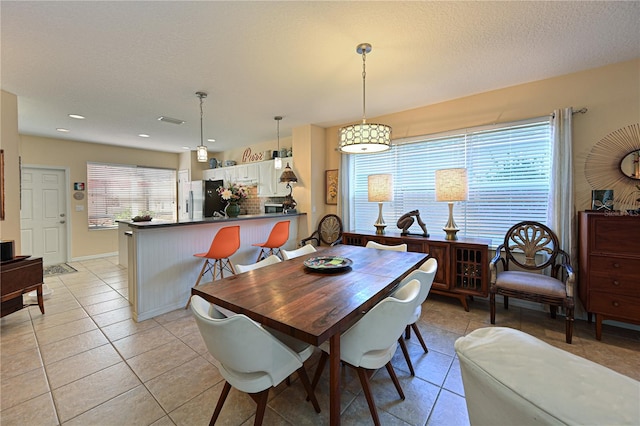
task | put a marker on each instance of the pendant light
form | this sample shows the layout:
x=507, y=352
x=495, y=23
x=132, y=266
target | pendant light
x=364, y=137
x=201, y=150
x=278, y=161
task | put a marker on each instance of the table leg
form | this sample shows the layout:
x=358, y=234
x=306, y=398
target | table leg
x=334, y=382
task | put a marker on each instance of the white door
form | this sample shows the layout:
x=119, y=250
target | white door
x=43, y=215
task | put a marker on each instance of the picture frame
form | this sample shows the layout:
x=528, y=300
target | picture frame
x=602, y=200
x=331, y=187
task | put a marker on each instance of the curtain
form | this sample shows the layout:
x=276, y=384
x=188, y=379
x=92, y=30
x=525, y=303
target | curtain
x=345, y=203
x=560, y=209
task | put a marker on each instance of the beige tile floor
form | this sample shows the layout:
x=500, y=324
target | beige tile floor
x=86, y=362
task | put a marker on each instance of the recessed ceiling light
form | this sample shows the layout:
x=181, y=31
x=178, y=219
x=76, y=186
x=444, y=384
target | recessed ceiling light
x=60, y=129
x=211, y=140
x=77, y=116
x=186, y=147
x=143, y=135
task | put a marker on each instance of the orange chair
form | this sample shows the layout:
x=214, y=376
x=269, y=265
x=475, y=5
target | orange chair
x=278, y=236
x=224, y=244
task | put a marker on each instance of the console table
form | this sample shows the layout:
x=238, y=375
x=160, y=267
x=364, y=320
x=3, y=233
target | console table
x=609, y=283
x=19, y=276
x=463, y=264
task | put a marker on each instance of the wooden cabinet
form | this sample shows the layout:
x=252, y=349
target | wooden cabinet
x=263, y=174
x=609, y=280
x=19, y=277
x=463, y=265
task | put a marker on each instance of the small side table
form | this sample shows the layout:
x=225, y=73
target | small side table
x=18, y=276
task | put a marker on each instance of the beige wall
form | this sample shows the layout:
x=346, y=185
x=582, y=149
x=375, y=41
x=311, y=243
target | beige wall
x=611, y=94
x=10, y=143
x=58, y=153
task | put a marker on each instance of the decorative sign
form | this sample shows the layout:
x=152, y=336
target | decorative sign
x=78, y=186
x=249, y=157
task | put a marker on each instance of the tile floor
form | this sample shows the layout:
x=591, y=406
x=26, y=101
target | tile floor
x=87, y=363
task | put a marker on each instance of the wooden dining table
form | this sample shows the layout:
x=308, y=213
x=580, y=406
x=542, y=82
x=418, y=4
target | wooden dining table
x=315, y=305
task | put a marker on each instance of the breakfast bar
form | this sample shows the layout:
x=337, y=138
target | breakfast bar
x=160, y=258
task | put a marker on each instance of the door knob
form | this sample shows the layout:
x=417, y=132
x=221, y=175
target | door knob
x=62, y=221
x=61, y=214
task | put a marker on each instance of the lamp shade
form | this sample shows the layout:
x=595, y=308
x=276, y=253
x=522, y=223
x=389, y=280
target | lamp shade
x=364, y=138
x=201, y=154
x=380, y=188
x=451, y=185
x=288, y=176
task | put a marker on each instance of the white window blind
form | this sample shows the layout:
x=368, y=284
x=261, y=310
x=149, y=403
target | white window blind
x=120, y=192
x=508, y=171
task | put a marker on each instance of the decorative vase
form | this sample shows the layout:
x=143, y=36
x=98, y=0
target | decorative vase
x=232, y=209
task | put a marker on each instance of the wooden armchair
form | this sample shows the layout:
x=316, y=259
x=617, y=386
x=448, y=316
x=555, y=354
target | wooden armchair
x=329, y=232
x=538, y=246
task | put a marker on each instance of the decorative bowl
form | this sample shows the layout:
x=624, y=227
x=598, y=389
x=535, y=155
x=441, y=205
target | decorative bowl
x=145, y=218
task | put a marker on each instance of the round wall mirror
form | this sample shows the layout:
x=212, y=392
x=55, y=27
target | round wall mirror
x=630, y=165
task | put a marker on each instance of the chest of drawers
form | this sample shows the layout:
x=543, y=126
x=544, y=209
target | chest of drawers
x=609, y=280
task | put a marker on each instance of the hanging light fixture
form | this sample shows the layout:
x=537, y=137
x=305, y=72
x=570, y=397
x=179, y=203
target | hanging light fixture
x=364, y=137
x=201, y=150
x=278, y=161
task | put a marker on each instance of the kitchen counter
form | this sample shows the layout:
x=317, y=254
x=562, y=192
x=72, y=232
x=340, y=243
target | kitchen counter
x=159, y=256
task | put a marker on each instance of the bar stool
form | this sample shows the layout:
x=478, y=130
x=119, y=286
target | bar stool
x=224, y=244
x=277, y=238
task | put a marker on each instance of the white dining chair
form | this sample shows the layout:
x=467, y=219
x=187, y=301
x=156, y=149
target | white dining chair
x=305, y=249
x=425, y=274
x=373, y=244
x=251, y=359
x=264, y=262
x=371, y=342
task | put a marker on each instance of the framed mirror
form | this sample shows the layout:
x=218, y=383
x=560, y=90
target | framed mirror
x=630, y=165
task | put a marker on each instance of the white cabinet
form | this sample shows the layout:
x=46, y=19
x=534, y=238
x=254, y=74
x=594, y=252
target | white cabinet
x=269, y=182
x=263, y=174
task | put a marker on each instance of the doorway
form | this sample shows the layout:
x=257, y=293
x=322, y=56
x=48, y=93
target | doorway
x=43, y=214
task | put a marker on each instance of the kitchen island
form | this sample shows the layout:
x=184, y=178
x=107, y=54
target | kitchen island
x=160, y=258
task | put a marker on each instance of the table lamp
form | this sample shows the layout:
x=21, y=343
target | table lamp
x=380, y=190
x=289, y=204
x=451, y=185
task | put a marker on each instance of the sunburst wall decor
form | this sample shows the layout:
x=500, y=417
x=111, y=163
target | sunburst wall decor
x=602, y=168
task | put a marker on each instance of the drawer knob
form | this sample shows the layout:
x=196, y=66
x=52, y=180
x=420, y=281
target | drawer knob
x=616, y=265
x=616, y=283
x=615, y=303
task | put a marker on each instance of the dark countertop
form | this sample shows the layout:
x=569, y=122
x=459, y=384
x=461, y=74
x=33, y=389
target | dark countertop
x=166, y=224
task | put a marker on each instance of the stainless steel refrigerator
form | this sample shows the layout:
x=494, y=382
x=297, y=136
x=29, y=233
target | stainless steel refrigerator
x=203, y=199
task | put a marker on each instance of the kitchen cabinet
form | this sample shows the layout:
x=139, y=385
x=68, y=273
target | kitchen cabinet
x=269, y=179
x=463, y=264
x=262, y=174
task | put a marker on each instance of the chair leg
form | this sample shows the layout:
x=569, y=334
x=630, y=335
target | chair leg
x=364, y=381
x=405, y=352
x=394, y=379
x=416, y=331
x=407, y=332
x=221, y=400
x=202, y=272
x=261, y=398
x=492, y=307
x=553, y=310
x=569, y=325
x=506, y=301
x=321, y=363
x=307, y=387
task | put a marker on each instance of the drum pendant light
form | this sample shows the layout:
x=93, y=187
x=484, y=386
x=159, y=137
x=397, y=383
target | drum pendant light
x=364, y=138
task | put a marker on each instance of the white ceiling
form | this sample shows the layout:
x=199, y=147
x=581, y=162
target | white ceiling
x=122, y=64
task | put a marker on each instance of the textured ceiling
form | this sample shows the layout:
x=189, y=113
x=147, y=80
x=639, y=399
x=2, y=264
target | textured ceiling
x=123, y=64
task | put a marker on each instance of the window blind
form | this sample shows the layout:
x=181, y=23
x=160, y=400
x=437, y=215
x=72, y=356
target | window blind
x=120, y=192
x=508, y=170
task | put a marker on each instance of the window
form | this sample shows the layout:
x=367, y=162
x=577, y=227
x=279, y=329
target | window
x=120, y=192
x=508, y=168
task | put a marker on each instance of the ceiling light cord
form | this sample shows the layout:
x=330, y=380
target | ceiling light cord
x=364, y=86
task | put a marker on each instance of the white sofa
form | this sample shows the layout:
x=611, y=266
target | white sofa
x=512, y=378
